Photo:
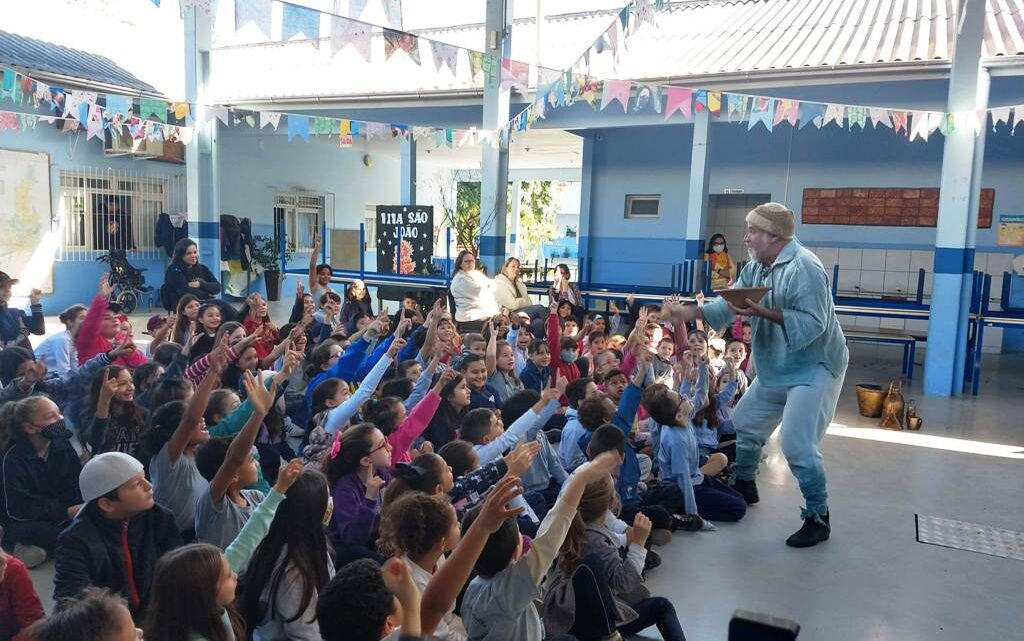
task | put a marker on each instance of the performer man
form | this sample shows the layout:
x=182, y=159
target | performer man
x=801, y=357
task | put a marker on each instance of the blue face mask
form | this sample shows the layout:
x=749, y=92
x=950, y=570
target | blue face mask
x=568, y=356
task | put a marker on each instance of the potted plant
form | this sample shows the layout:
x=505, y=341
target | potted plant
x=267, y=259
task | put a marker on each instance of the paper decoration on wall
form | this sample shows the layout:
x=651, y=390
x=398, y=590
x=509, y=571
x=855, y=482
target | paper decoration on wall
x=393, y=10
x=515, y=74
x=647, y=97
x=302, y=21
x=761, y=111
x=298, y=126
x=271, y=118
x=256, y=11
x=345, y=31
x=616, y=90
x=395, y=40
x=678, y=98
x=808, y=112
x=444, y=54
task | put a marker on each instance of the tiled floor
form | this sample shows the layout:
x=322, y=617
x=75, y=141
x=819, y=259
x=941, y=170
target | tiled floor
x=872, y=580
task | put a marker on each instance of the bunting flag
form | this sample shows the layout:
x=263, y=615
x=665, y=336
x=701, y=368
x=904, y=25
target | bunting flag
x=41, y=93
x=94, y=125
x=948, y=124
x=1000, y=114
x=678, y=98
x=298, y=126
x=624, y=19
x=400, y=131
x=58, y=99
x=923, y=123
x=220, y=111
x=376, y=130
x=395, y=40
x=9, y=82
x=786, y=110
x=256, y=11
x=355, y=8
x=616, y=90
x=185, y=134
x=761, y=112
x=393, y=10
x=613, y=38
x=591, y=90
x=857, y=116
x=74, y=100
x=492, y=70
x=271, y=118
x=344, y=127
x=644, y=13
x=737, y=106
x=1018, y=117
x=296, y=21
x=476, y=62
x=119, y=105
x=444, y=54
x=514, y=74
x=181, y=110
x=323, y=126
x=345, y=31
x=836, y=114
x=808, y=112
x=899, y=122
x=153, y=107
x=714, y=103
x=880, y=117
x=647, y=97
x=700, y=100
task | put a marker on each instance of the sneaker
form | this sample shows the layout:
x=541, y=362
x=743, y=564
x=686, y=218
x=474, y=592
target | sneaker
x=748, y=489
x=813, y=532
x=652, y=561
x=31, y=555
x=687, y=522
x=660, y=537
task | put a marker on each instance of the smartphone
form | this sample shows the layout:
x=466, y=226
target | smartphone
x=756, y=626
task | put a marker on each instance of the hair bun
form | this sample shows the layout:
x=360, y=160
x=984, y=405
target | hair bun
x=408, y=472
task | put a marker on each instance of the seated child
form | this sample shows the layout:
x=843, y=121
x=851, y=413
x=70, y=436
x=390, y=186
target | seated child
x=569, y=452
x=118, y=535
x=20, y=606
x=546, y=475
x=474, y=368
x=368, y=602
x=357, y=467
x=662, y=361
x=97, y=615
x=504, y=380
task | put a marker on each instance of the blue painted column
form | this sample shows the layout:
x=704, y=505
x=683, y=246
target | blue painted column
x=697, y=197
x=494, y=158
x=202, y=198
x=408, y=172
x=958, y=212
x=586, y=203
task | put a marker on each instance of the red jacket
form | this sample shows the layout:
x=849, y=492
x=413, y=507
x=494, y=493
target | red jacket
x=89, y=343
x=19, y=604
x=570, y=371
x=267, y=335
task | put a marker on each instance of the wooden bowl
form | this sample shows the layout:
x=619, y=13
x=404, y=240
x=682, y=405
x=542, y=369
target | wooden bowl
x=738, y=295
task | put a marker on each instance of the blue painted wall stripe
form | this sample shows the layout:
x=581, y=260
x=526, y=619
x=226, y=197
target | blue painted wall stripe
x=492, y=245
x=207, y=229
x=693, y=248
x=954, y=260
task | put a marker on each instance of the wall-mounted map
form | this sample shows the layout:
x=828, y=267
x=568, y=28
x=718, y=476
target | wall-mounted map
x=28, y=246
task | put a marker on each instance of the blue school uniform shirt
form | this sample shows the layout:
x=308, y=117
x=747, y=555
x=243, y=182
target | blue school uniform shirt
x=569, y=451
x=534, y=377
x=485, y=397
x=628, y=481
x=787, y=354
x=708, y=437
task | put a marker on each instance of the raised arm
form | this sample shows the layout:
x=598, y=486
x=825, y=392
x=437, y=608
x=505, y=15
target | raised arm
x=337, y=417
x=240, y=449
x=491, y=357
x=311, y=279
x=538, y=415
x=191, y=420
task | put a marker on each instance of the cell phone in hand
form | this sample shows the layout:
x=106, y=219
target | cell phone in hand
x=756, y=626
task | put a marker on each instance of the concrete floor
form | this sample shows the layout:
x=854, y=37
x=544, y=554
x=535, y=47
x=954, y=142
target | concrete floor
x=872, y=580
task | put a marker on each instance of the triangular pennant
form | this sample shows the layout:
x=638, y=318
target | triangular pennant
x=184, y=135
x=181, y=110
x=1018, y=117
x=27, y=88
x=345, y=31
x=644, y=12
x=919, y=125
x=75, y=99
x=298, y=126
x=1000, y=114
x=700, y=100
x=612, y=33
x=761, y=111
x=808, y=112
x=880, y=117
x=600, y=46
x=476, y=62
x=616, y=90
x=355, y=8
x=591, y=91
x=647, y=97
x=444, y=54
x=41, y=93
x=899, y=121
x=836, y=114
x=94, y=128
x=393, y=10
x=300, y=21
x=737, y=107
x=857, y=116
x=950, y=123
x=714, y=102
x=624, y=19
x=257, y=11
x=218, y=111
x=153, y=107
x=395, y=40
x=58, y=100
x=271, y=118
x=119, y=105
x=514, y=74
x=786, y=110
x=678, y=99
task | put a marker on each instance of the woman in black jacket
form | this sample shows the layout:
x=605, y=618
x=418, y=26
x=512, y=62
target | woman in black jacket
x=186, y=276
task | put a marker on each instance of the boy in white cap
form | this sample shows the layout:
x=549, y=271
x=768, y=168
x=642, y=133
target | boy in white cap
x=801, y=360
x=118, y=535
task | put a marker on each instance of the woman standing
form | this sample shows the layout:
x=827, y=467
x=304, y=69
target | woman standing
x=510, y=292
x=473, y=294
x=186, y=276
x=723, y=269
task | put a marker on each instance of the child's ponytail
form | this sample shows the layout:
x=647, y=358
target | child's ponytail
x=348, y=449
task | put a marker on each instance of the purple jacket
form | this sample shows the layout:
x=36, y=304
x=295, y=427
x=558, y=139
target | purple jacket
x=355, y=517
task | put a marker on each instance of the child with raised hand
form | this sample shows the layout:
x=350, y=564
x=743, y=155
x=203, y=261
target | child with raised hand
x=536, y=375
x=444, y=427
x=498, y=604
x=519, y=338
x=472, y=480
x=421, y=529
x=194, y=586
x=368, y=602
x=564, y=350
x=605, y=582
x=110, y=420
x=230, y=467
x=402, y=430
x=569, y=452
x=474, y=368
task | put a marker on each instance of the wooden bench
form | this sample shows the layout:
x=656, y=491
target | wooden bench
x=883, y=337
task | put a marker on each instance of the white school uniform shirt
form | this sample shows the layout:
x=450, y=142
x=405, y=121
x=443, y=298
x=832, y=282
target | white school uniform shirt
x=58, y=353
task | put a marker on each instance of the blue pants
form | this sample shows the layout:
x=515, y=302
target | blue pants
x=805, y=412
x=716, y=501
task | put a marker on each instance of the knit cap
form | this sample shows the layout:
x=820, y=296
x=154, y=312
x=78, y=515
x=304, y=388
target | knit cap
x=773, y=218
x=106, y=472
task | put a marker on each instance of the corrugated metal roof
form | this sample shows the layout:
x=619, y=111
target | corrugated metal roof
x=693, y=39
x=40, y=56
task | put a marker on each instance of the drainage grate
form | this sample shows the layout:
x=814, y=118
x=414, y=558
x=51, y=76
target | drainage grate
x=959, y=535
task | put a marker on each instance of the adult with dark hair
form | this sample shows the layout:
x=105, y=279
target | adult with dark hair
x=185, y=275
x=473, y=294
x=564, y=290
x=723, y=269
x=58, y=351
x=511, y=293
x=15, y=324
x=801, y=356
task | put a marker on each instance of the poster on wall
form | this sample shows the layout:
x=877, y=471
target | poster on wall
x=1011, y=231
x=411, y=252
x=28, y=245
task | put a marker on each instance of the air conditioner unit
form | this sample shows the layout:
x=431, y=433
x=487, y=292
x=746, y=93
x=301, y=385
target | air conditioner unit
x=121, y=144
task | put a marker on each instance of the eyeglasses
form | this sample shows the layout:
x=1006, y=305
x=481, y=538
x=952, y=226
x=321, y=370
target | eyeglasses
x=383, y=444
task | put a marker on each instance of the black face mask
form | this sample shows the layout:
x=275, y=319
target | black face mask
x=56, y=430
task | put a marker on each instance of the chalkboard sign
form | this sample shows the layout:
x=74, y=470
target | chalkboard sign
x=410, y=253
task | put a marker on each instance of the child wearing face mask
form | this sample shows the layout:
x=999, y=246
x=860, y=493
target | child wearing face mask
x=40, y=477
x=723, y=269
x=564, y=351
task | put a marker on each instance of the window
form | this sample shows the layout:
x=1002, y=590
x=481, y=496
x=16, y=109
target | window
x=642, y=205
x=302, y=215
x=104, y=211
x=370, y=227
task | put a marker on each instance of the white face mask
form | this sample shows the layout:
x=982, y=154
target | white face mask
x=718, y=248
